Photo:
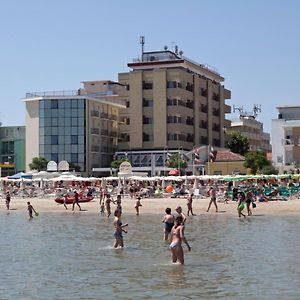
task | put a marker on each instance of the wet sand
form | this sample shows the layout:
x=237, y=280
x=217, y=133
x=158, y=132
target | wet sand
x=158, y=205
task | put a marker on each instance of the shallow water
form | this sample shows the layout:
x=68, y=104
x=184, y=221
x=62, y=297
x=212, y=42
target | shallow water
x=70, y=256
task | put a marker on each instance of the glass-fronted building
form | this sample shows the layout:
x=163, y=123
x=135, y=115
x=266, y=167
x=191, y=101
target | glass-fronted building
x=80, y=127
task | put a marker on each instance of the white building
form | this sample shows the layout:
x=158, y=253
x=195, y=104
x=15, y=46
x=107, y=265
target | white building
x=286, y=137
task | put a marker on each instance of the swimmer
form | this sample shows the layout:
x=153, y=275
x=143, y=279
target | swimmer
x=107, y=204
x=118, y=202
x=137, y=205
x=119, y=228
x=177, y=235
x=7, y=200
x=213, y=199
x=178, y=209
x=168, y=220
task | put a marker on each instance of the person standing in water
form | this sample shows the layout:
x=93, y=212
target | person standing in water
x=138, y=204
x=107, y=204
x=119, y=229
x=118, y=202
x=30, y=210
x=168, y=221
x=7, y=200
x=248, y=201
x=213, y=199
x=177, y=236
x=241, y=204
x=178, y=209
x=189, y=204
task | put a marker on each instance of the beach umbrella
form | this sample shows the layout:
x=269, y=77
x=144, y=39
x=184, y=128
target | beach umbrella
x=174, y=172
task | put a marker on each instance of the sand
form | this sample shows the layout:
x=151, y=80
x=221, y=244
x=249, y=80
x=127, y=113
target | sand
x=158, y=205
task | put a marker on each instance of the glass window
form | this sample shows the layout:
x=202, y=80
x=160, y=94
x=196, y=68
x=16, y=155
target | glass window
x=74, y=130
x=47, y=130
x=47, y=148
x=54, y=148
x=61, y=149
x=74, y=149
x=61, y=123
x=67, y=103
x=68, y=157
x=42, y=122
x=67, y=148
x=67, y=130
x=81, y=103
x=61, y=113
x=67, y=121
x=81, y=139
x=47, y=122
x=80, y=121
x=80, y=112
x=42, y=113
x=54, y=156
x=68, y=112
x=81, y=158
x=54, y=139
x=47, y=103
x=54, y=121
x=42, y=148
x=54, y=103
x=74, y=103
x=68, y=139
x=74, y=157
x=61, y=140
x=61, y=156
x=80, y=148
x=74, y=112
x=61, y=104
x=74, y=121
x=54, y=113
x=42, y=131
x=42, y=103
x=54, y=130
x=80, y=131
x=47, y=113
x=74, y=139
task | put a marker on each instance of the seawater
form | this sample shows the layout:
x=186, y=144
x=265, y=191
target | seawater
x=70, y=256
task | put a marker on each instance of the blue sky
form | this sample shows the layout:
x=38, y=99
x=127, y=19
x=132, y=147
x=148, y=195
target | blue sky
x=54, y=45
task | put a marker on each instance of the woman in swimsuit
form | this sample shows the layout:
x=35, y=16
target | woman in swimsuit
x=189, y=203
x=107, y=204
x=119, y=228
x=168, y=220
x=177, y=235
x=241, y=204
x=248, y=202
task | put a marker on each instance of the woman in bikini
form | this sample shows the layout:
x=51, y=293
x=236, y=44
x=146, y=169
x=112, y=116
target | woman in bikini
x=107, y=204
x=177, y=235
x=119, y=229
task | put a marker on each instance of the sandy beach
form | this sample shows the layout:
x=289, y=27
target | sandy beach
x=158, y=205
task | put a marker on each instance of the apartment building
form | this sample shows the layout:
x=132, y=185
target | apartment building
x=81, y=127
x=12, y=149
x=250, y=127
x=286, y=137
x=172, y=103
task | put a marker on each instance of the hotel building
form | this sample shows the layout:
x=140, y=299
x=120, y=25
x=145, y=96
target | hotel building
x=172, y=103
x=81, y=127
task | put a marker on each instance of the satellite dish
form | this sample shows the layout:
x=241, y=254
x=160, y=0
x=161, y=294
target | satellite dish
x=180, y=52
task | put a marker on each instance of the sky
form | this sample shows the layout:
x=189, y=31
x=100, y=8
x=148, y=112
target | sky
x=57, y=44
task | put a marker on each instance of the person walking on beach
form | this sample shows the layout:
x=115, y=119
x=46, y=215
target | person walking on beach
x=7, y=200
x=119, y=229
x=177, y=236
x=138, y=204
x=76, y=200
x=107, y=204
x=30, y=210
x=241, y=204
x=189, y=203
x=213, y=199
x=168, y=221
x=248, y=201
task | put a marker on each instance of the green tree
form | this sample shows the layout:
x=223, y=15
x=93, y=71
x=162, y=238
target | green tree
x=116, y=163
x=269, y=170
x=74, y=167
x=256, y=160
x=176, y=160
x=237, y=142
x=38, y=163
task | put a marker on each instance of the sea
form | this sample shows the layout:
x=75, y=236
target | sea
x=70, y=256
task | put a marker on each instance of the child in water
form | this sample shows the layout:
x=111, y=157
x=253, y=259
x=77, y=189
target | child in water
x=137, y=205
x=30, y=210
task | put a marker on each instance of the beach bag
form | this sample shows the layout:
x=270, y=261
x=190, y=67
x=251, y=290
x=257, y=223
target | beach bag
x=242, y=206
x=253, y=204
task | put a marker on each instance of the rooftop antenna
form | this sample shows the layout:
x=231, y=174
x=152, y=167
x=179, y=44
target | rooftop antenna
x=256, y=109
x=176, y=49
x=240, y=109
x=142, y=42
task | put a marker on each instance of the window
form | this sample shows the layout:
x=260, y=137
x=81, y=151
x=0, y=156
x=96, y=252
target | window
x=147, y=102
x=147, y=120
x=203, y=92
x=127, y=87
x=74, y=139
x=216, y=97
x=147, y=85
x=54, y=156
x=74, y=157
x=127, y=104
x=54, y=140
